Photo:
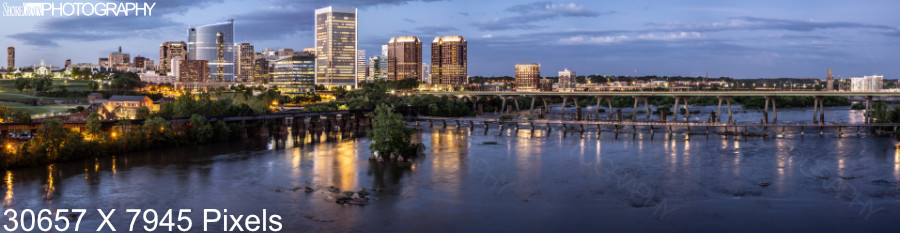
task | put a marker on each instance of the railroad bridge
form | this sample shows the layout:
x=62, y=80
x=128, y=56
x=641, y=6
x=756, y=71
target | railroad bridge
x=679, y=96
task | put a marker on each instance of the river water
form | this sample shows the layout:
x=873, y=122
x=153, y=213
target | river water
x=504, y=181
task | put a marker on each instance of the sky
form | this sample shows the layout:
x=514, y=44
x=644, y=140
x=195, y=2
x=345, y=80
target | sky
x=740, y=39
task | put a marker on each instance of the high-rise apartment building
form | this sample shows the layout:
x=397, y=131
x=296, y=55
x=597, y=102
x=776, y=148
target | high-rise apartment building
x=528, y=77
x=567, y=80
x=448, y=61
x=68, y=64
x=193, y=70
x=11, y=58
x=405, y=58
x=295, y=75
x=244, y=59
x=168, y=51
x=336, y=46
x=214, y=43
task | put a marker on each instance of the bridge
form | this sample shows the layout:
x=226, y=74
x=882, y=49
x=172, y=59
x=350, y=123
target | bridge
x=679, y=96
x=652, y=125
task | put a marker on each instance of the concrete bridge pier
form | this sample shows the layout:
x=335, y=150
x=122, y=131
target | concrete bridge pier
x=766, y=110
x=727, y=99
x=687, y=111
x=637, y=100
x=868, y=111
x=577, y=108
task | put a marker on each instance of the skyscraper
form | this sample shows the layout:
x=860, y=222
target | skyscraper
x=528, y=76
x=11, y=58
x=294, y=75
x=244, y=58
x=361, y=67
x=213, y=43
x=68, y=64
x=830, y=82
x=336, y=45
x=405, y=58
x=566, y=80
x=168, y=51
x=448, y=61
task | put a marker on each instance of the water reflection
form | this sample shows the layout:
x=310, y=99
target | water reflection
x=8, y=196
x=50, y=187
x=539, y=164
x=449, y=151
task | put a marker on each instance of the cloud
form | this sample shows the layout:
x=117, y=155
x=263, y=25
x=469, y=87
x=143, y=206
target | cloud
x=431, y=30
x=49, y=32
x=525, y=15
x=754, y=23
x=408, y=20
x=670, y=36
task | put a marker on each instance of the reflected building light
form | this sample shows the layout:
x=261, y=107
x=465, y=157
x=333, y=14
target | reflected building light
x=897, y=163
x=51, y=187
x=114, y=165
x=7, y=200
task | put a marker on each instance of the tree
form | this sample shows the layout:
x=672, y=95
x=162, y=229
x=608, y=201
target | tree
x=93, y=86
x=93, y=126
x=142, y=113
x=389, y=135
x=23, y=84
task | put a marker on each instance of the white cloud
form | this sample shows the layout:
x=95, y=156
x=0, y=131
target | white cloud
x=671, y=36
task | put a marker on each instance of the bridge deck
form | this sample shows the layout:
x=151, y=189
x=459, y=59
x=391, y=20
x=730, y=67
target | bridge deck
x=668, y=93
x=647, y=123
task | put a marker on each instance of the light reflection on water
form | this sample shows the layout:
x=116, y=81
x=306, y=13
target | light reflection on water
x=544, y=178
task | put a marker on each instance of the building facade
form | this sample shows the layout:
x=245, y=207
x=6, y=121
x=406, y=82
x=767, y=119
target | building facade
x=405, y=58
x=336, y=46
x=168, y=51
x=362, y=70
x=214, y=44
x=260, y=70
x=119, y=60
x=567, y=80
x=126, y=106
x=449, y=61
x=528, y=77
x=244, y=59
x=11, y=58
x=867, y=83
x=193, y=70
x=378, y=68
x=295, y=75
x=829, y=85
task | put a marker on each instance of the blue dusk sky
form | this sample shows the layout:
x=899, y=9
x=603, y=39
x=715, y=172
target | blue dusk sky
x=741, y=39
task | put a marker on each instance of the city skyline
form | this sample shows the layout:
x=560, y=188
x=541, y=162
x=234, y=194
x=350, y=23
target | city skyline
x=741, y=40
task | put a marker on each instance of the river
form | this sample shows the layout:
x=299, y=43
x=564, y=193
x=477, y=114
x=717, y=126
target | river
x=505, y=181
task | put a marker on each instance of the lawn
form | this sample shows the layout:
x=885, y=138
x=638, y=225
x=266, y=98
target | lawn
x=8, y=89
x=37, y=110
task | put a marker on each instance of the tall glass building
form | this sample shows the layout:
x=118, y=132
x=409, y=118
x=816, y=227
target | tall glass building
x=294, y=75
x=214, y=43
x=336, y=46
